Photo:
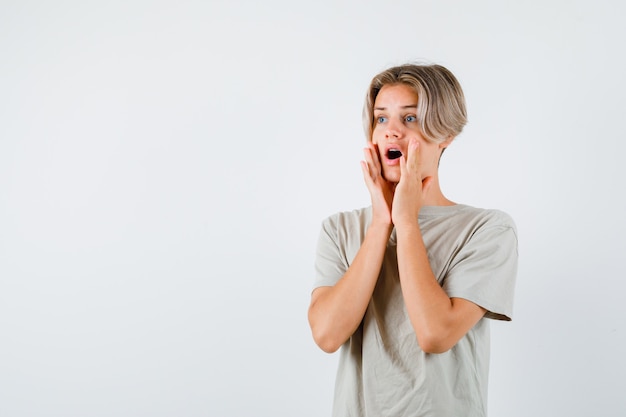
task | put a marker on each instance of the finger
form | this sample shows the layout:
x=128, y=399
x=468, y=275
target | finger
x=413, y=155
x=403, y=167
x=375, y=157
x=367, y=153
x=366, y=174
x=367, y=166
x=369, y=160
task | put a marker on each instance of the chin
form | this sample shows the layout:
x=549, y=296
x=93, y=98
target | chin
x=392, y=175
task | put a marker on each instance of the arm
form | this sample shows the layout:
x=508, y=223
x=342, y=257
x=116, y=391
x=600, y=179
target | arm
x=439, y=321
x=336, y=312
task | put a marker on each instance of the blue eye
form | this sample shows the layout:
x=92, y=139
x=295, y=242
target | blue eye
x=381, y=119
x=410, y=119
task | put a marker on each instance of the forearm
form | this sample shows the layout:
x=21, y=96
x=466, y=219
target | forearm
x=336, y=312
x=428, y=306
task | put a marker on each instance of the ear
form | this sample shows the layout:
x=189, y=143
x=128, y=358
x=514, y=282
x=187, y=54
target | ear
x=446, y=143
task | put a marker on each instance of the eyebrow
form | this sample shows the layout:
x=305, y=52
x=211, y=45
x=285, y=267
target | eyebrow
x=410, y=106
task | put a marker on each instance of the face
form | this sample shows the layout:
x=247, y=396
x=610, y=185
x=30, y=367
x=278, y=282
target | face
x=395, y=123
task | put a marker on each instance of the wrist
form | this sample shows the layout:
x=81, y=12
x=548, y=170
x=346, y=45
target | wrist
x=407, y=226
x=381, y=225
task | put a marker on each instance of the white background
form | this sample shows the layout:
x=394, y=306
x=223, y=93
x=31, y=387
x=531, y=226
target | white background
x=165, y=167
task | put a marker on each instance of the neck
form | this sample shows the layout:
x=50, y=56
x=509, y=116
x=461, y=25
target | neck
x=435, y=196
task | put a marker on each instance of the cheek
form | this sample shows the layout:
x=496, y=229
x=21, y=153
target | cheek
x=429, y=158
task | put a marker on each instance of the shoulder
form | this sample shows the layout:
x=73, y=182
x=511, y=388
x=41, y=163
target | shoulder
x=463, y=217
x=491, y=225
x=340, y=238
x=348, y=219
x=346, y=230
x=489, y=217
x=454, y=229
x=488, y=233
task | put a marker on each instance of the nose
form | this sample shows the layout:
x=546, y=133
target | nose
x=395, y=130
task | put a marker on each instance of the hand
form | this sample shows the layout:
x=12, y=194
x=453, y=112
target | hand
x=381, y=191
x=410, y=191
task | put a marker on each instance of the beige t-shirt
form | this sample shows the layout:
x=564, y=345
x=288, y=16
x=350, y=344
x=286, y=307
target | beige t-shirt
x=382, y=370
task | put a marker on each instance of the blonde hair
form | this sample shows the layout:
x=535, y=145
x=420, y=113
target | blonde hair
x=441, y=112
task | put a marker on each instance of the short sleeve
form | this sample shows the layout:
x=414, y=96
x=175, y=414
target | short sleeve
x=484, y=270
x=330, y=260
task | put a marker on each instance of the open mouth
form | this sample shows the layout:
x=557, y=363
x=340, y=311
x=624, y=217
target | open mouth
x=394, y=154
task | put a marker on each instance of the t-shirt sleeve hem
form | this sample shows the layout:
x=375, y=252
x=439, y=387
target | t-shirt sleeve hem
x=494, y=312
x=323, y=283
